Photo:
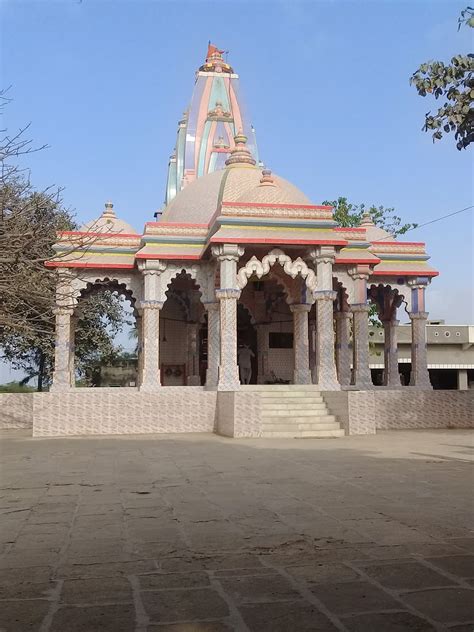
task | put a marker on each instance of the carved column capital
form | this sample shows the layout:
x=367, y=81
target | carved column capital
x=360, y=307
x=418, y=315
x=325, y=295
x=224, y=293
x=227, y=252
x=211, y=307
x=63, y=310
x=300, y=307
x=152, y=267
x=418, y=282
x=322, y=254
x=149, y=304
x=361, y=272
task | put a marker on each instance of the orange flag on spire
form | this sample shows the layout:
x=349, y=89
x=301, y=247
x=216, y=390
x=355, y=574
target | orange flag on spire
x=211, y=49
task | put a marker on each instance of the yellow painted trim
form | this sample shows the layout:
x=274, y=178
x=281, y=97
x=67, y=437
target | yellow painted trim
x=85, y=253
x=169, y=245
x=355, y=249
x=400, y=262
x=276, y=228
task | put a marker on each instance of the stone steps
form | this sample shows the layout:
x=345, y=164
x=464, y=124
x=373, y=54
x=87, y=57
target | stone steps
x=286, y=427
x=279, y=387
x=289, y=396
x=295, y=411
x=300, y=419
x=305, y=434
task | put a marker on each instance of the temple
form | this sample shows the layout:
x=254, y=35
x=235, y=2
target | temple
x=242, y=259
x=207, y=129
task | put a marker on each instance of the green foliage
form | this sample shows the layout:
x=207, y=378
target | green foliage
x=453, y=82
x=102, y=317
x=29, y=221
x=16, y=387
x=348, y=214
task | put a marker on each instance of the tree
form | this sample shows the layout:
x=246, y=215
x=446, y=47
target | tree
x=29, y=221
x=454, y=82
x=348, y=214
x=102, y=316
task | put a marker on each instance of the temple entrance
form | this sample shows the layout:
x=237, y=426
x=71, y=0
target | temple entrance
x=265, y=323
x=180, y=333
x=246, y=339
x=104, y=329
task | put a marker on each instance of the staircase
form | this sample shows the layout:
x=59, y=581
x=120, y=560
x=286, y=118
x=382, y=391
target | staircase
x=295, y=411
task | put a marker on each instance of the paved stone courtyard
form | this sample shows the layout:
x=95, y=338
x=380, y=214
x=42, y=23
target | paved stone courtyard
x=205, y=534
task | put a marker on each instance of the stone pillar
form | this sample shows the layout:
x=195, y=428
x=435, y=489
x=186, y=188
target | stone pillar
x=391, y=374
x=150, y=309
x=213, y=344
x=139, y=327
x=262, y=353
x=325, y=364
x=228, y=294
x=362, y=376
x=302, y=374
x=326, y=373
x=419, y=377
x=343, y=347
x=312, y=351
x=463, y=383
x=228, y=367
x=193, y=377
x=150, y=317
x=63, y=350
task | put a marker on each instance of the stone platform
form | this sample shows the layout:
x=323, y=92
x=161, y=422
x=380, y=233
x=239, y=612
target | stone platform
x=300, y=411
x=200, y=533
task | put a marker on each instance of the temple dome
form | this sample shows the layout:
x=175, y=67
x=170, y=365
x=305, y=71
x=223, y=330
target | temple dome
x=108, y=222
x=372, y=231
x=198, y=202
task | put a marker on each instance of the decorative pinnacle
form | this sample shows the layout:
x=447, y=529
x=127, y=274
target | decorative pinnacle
x=266, y=179
x=367, y=219
x=240, y=154
x=220, y=143
x=109, y=210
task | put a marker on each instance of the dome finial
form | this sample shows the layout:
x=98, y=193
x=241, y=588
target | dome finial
x=267, y=179
x=240, y=154
x=109, y=210
x=366, y=219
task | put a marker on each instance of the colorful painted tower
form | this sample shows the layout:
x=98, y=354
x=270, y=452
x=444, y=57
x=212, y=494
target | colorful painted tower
x=207, y=129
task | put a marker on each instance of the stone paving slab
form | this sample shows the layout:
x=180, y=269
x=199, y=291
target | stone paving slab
x=196, y=533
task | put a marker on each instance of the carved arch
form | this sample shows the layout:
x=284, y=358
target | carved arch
x=386, y=298
x=341, y=304
x=202, y=274
x=290, y=267
x=90, y=288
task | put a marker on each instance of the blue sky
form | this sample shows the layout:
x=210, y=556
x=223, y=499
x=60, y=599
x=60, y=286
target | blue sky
x=103, y=83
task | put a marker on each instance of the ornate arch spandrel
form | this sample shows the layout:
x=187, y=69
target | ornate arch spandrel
x=132, y=282
x=295, y=268
x=387, y=299
x=202, y=274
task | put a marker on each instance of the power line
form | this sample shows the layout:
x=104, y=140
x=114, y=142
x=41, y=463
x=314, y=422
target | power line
x=432, y=221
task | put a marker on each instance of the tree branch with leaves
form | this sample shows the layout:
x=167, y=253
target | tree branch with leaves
x=453, y=82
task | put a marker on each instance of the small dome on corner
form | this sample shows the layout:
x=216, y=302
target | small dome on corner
x=108, y=222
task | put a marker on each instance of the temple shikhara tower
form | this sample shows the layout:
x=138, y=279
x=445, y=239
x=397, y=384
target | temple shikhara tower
x=252, y=304
x=207, y=129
